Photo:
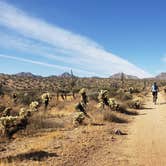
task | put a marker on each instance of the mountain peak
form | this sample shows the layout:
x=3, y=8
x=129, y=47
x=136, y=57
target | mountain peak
x=126, y=76
x=25, y=74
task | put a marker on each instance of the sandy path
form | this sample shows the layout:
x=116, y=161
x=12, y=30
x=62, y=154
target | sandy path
x=146, y=143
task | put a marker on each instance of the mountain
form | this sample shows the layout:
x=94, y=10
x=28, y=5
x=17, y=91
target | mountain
x=126, y=76
x=25, y=74
x=161, y=76
x=65, y=75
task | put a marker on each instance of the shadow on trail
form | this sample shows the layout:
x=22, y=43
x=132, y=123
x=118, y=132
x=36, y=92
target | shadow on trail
x=162, y=103
x=36, y=156
x=97, y=124
x=127, y=112
x=147, y=108
x=143, y=114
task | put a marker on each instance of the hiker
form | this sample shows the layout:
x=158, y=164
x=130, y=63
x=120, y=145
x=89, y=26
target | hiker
x=155, y=91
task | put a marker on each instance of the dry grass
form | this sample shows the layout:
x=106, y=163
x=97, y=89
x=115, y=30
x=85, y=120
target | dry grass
x=113, y=117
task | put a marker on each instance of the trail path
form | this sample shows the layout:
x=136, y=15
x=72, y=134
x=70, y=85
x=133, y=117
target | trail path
x=145, y=144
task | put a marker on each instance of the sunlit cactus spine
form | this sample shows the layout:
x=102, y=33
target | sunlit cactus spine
x=34, y=105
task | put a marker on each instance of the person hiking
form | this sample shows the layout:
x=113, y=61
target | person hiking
x=155, y=91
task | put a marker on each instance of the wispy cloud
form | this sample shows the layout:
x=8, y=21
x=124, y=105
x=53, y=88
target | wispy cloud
x=164, y=58
x=63, y=68
x=62, y=45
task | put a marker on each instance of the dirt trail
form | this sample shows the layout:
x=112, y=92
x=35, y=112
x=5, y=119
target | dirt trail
x=146, y=143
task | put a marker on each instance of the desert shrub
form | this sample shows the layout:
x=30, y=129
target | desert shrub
x=41, y=120
x=113, y=117
x=113, y=92
x=27, y=97
x=135, y=103
x=126, y=96
x=93, y=96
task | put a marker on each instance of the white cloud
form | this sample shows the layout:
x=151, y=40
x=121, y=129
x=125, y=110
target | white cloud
x=42, y=63
x=81, y=52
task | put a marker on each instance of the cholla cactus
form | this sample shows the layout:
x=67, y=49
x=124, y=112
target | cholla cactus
x=9, y=121
x=81, y=106
x=34, y=106
x=131, y=90
x=103, y=98
x=84, y=97
x=24, y=113
x=6, y=123
x=6, y=112
x=11, y=124
x=78, y=118
x=82, y=91
x=113, y=104
x=105, y=101
x=45, y=99
x=103, y=94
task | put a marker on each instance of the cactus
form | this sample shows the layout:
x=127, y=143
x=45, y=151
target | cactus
x=131, y=90
x=34, y=106
x=103, y=98
x=45, y=99
x=113, y=104
x=78, y=118
x=11, y=124
x=6, y=112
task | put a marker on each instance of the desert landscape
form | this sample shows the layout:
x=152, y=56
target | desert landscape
x=58, y=135
x=82, y=83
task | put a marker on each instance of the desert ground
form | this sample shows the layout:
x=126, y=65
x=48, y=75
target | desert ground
x=125, y=138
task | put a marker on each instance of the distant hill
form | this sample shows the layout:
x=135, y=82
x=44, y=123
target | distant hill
x=161, y=76
x=126, y=76
x=25, y=74
x=65, y=75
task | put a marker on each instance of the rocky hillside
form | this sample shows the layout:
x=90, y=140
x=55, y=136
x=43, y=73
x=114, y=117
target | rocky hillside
x=119, y=76
x=161, y=76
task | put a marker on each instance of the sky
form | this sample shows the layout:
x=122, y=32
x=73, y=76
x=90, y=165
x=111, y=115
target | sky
x=91, y=37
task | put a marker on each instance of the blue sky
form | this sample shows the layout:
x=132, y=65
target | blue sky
x=91, y=37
